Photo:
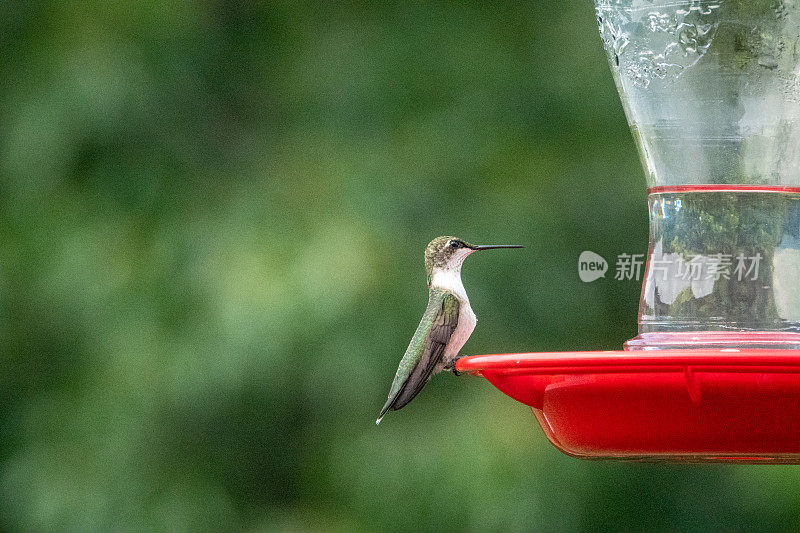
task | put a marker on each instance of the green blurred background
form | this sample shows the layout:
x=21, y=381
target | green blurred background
x=212, y=223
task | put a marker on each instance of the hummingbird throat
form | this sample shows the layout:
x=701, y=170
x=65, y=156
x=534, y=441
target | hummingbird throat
x=449, y=279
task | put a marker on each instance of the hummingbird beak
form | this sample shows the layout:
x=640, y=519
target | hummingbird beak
x=494, y=246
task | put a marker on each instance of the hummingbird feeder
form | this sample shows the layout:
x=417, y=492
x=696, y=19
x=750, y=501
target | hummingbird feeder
x=711, y=90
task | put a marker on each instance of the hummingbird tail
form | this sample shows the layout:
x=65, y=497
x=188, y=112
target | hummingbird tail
x=385, y=409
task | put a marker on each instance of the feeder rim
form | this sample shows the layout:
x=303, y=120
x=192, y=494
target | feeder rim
x=713, y=187
x=626, y=361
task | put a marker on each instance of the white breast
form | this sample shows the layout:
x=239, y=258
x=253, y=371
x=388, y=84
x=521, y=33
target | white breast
x=450, y=280
x=465, y=327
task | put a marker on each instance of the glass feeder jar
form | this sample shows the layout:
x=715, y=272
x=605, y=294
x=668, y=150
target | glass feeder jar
x=712, y=94
x=711, y=90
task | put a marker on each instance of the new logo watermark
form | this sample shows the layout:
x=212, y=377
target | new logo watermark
x=591, y=266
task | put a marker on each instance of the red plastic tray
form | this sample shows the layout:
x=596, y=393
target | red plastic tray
x=673, y=405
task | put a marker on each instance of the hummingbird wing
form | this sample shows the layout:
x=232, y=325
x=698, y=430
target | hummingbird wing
x=425, y=350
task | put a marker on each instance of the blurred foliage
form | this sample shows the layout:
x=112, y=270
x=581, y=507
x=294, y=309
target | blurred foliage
x=212, y=223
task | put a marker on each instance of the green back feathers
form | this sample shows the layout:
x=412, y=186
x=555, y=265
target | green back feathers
x=425, y=350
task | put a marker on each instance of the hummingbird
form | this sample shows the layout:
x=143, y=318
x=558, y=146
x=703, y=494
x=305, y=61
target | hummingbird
x=446, y=325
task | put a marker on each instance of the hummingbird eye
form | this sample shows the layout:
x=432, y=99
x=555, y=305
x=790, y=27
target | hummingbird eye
x=455, y=244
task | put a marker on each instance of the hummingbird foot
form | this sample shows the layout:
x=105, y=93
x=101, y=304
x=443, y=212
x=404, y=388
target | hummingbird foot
x=452, y=366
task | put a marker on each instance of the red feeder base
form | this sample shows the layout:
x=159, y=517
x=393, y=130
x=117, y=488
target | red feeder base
x=728, y=405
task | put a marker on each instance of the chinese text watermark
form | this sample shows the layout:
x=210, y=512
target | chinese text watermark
x=631, y=267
